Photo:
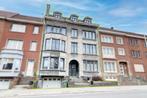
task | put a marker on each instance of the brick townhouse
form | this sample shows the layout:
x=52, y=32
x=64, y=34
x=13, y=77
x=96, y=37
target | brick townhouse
x=124, y=54
x=20, y=45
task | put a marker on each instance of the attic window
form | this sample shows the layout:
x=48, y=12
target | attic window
x=57, y=15
x=74, y=18
x=88, y=20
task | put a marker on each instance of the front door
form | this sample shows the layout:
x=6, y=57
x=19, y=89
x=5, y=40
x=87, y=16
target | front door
x=73, y=68
x=30, y=68
x=123, y=69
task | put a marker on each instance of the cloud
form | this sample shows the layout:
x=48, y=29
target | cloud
x=84, y=5
x=2, y=8
x=126, y=11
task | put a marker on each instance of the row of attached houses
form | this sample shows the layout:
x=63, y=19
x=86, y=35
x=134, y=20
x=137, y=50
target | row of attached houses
x=57, y=48
x=20, y=41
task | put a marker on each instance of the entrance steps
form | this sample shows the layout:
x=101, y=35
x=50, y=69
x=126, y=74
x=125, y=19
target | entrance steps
x=19, y=87
x=76, y=81
x=25, y=80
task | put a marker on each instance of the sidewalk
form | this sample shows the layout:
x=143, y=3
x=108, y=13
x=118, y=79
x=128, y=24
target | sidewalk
x=35, y=92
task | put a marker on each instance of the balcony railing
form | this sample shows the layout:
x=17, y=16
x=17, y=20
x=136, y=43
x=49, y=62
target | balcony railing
x=52, y=73
x=9, y=73
x=11, y=53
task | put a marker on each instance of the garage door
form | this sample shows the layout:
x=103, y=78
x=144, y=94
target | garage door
x=4, y=84
x=52, y=83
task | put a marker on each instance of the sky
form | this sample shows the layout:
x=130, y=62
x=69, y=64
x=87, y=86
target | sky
x=126, y=15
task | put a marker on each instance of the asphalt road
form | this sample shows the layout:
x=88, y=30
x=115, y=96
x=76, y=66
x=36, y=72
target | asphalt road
x=105, y=94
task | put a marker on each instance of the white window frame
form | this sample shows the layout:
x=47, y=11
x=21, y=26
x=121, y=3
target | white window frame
x=139, y=68
x=121, y=51
x=107, y=39
x=32, y=47
x=36, y=30
x=18, y=44
x=110, y=71
x=106, y=54
x=18, y=28
x=119, y=40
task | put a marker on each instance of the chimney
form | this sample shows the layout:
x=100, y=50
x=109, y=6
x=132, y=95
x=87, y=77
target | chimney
x=47, y=10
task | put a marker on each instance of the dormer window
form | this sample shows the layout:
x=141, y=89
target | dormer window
x=57, y=15
x=88, y=20
x=74, y=18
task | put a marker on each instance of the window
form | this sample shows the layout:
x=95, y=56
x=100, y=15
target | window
x=46, y=63
x=89, y=49
x=17, y=64
x=145, y=54
x=53, y=63
x=135, y=54
x=57, y=15
x=74, y=33
x=145, y=44
x=106, y=38
x=74, y=47
x=56, y=30
x=133, y=42
x=74, y=18
x=18, y=28
x=36, y=30
x=119, y=40
x=89, y=35
x=91, y=66
x=110, y=66
x=121, y=51
x=139, y=68
x=55, y=44
x=108, y=52
x=87, y=20
x=33, y=46
x=14, y=44
x=62, y=61
x=30, y=68
x=7, y=64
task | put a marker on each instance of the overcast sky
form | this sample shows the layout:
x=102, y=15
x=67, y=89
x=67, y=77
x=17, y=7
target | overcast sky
x=126, y=15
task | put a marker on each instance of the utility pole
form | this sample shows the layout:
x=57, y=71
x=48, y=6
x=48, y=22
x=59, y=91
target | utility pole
x=46, y=13
x=145, y=38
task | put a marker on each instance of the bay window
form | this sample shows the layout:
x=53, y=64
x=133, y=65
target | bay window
x=53, y=63
x=56, y=29
x=55, y=45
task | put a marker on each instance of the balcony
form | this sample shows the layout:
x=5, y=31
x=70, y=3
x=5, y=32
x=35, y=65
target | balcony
x=9, y=73
x=90, y=73
x=52, y=73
